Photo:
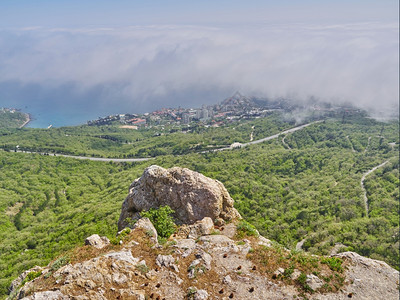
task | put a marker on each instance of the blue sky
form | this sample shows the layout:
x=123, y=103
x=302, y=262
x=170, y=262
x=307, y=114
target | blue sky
x=67, y=13
x=69, y=61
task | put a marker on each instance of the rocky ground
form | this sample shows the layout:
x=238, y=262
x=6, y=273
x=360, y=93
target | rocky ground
x=210, y=258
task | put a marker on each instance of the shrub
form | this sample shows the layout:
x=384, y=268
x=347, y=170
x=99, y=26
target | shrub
x=121, y=236
x=288, y=271
x=302, y=281
x=162, y=220
x=334, y=263
x=245, y=229
x=31, y=275
x=191, y=292
x=142, y=268
x=302, y=278
x=59, y=262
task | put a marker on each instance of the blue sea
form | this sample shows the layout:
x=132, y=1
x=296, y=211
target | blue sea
x=43, y=118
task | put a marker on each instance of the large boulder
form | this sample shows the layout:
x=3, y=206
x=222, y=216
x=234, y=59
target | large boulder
x=191, y=195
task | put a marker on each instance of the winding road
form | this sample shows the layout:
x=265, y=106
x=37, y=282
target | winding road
x=234, y=145
x=268, y=138
x=363, y=187
x=284, y=143
x=278, y=134
x=351, y=144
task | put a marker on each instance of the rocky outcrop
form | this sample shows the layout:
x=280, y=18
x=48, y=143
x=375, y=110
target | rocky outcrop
x=191, y=195
x=211, y=267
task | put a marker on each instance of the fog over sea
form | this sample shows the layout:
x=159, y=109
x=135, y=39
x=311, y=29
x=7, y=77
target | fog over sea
x=66, y=71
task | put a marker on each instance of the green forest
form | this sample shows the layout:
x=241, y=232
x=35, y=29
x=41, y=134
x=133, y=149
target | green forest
x=113, y=141
x=305, y=186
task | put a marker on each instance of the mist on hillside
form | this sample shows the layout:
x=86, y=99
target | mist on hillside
x=85, y=73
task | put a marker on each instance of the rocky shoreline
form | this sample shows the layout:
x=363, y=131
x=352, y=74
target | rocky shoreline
x=28, y=118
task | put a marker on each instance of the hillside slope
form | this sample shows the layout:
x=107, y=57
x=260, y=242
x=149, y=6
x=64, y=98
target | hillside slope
x=224, y=259
x=309, y=192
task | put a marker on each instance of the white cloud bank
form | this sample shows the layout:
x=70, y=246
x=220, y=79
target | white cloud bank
x=143, y=68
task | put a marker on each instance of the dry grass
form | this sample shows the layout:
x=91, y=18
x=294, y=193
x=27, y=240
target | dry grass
x=144, y=250
x=266, y=261
x=269, y=259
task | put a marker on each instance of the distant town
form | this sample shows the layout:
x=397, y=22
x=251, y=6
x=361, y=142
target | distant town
x=237, y=107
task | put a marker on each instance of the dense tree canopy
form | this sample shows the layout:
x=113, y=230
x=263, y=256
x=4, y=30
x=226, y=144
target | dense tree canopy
x=308, y=191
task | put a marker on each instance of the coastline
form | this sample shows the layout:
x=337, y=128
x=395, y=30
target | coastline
x=27, y=120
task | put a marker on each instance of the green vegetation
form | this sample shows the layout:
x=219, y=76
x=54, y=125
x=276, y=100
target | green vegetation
x=162, y=221
x=11, y=118
x=122, y=235
x=112, y=141
x=334, y=263
x=245, y=229
x=31, y=276
x=58, y=263
x=311, y=191
x=142, y=268
x=48, y=205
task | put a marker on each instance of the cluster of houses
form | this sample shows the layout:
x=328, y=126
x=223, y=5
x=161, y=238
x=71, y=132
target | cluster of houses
x=235, y=107
x=10, y=110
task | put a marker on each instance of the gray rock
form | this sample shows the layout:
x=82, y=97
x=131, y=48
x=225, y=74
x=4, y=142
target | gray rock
x=227, y=280
x=314, y=282
x=119, y=278
x=264, y=242
x=201, y=295
x=185, y=244
x=192, y=195
x=47, y=295
x=200, y=264
x=148, y=227
x=220, y=240
x=229, y=230
x=124, y=256
x=296, y=273
x=166, y=261
x=202, y=227
x=205, y=258
x=96, y=241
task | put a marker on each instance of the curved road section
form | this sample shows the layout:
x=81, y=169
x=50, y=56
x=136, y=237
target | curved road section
x=239, y=145
x=278, y=134
x=363, y=187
